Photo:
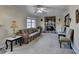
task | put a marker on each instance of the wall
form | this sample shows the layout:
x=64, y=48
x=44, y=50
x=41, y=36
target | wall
x=7, y=14
x=74, y=25
x=58, y=28
x=59, y=24
x=41, y=23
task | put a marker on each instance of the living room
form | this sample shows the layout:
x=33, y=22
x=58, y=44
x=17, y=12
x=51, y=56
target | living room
x=19, y=14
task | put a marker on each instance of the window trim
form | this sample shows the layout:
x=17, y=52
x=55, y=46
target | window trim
x=31, y=23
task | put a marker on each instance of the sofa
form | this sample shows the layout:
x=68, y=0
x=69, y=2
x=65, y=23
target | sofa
x=29, y=34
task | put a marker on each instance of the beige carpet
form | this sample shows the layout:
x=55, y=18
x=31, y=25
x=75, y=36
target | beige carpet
x=47, y=43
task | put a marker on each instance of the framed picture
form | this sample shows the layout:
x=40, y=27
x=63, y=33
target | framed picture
x=67, y=20
x=77, y=16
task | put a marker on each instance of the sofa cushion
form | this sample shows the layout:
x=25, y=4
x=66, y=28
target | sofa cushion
x=31, y=30
x=33, y=34
x=64, y=39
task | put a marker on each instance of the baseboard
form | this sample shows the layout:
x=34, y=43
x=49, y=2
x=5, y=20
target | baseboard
x=76, y=50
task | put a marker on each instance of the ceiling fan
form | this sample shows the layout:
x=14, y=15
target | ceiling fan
x=40, y=9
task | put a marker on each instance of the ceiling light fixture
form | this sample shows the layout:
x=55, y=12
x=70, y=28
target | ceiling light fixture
x=41, y=10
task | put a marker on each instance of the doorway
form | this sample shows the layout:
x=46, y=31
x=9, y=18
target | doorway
x=50, y=23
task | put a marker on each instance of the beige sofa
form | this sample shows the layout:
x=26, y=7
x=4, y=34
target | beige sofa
x=30, y=34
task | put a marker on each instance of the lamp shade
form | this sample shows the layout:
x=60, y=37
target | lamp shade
x=13, y=25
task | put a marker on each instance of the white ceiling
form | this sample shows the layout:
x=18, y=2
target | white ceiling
x=53, y=10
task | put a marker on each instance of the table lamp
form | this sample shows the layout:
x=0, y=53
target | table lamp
x=14, y=26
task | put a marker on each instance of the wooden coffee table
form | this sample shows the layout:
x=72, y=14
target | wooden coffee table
x=11, y=40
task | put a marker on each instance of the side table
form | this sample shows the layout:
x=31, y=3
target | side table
x=11, y=40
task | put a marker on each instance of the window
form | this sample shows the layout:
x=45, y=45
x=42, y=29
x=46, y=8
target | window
x=28, y=23
x=31, y=23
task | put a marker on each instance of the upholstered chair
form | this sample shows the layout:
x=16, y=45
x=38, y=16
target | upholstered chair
x=68, y=38
x=62, y=32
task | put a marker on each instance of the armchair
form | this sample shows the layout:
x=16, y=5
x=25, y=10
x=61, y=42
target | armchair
x=68, y=38
x=62, y=33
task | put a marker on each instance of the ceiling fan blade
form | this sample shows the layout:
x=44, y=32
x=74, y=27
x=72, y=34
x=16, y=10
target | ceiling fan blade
x=44, y=10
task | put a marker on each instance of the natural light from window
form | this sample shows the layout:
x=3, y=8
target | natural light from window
x=31, y=23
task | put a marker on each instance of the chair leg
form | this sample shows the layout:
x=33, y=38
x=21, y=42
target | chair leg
x=60, y=43
x=70, y=46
